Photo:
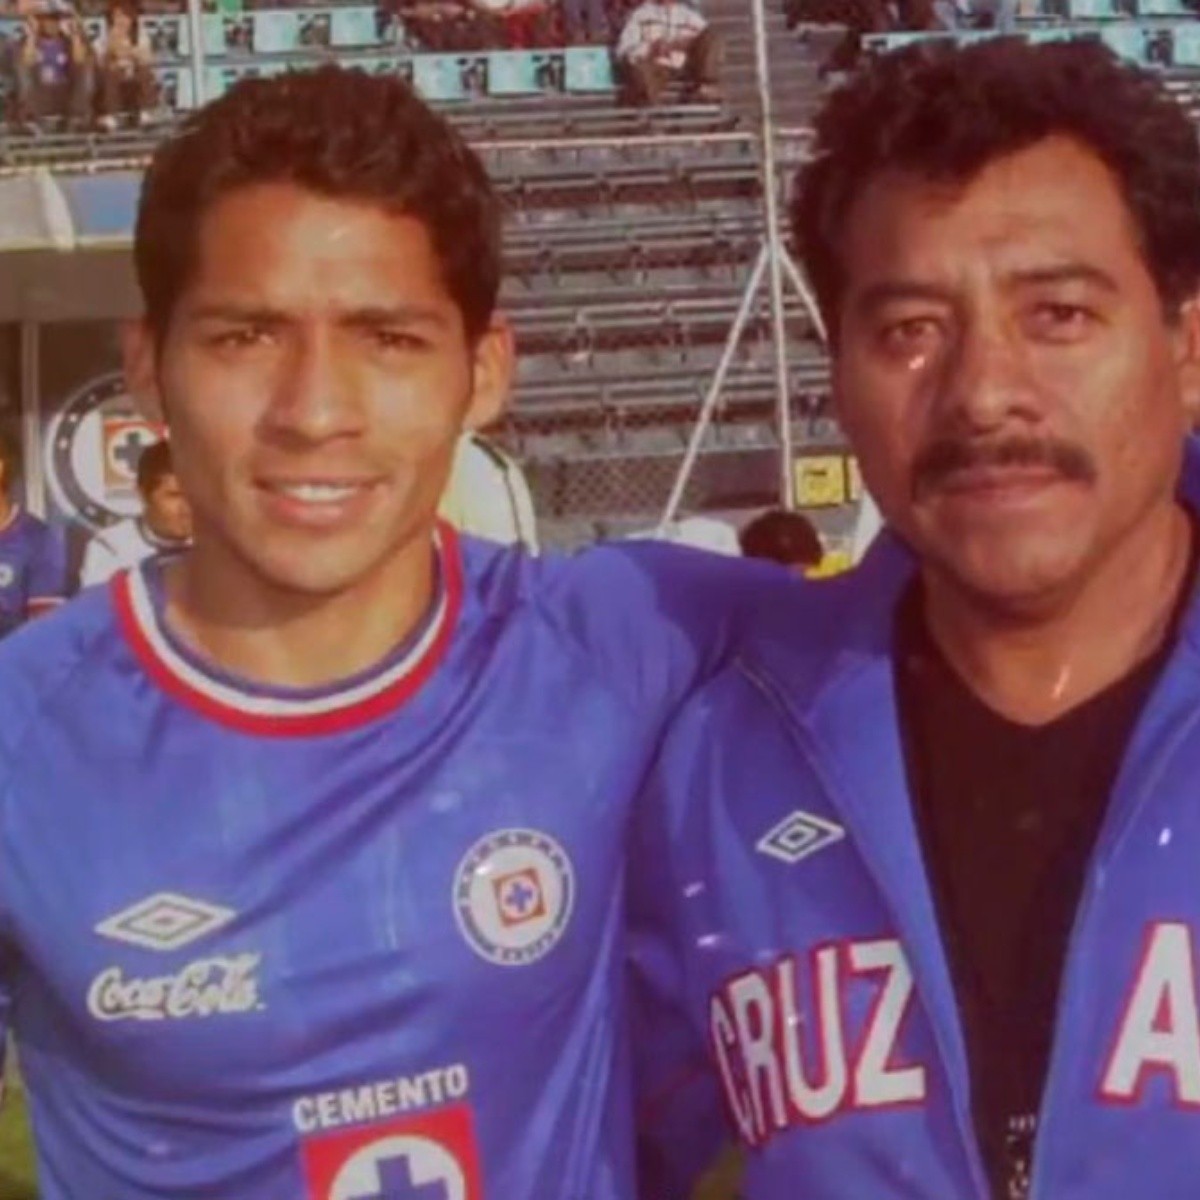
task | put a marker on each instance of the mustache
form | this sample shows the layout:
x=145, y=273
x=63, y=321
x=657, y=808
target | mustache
x=942, y=458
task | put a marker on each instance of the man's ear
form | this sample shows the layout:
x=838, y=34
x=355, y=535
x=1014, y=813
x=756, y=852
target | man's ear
x=139, y=357
x=494, y=364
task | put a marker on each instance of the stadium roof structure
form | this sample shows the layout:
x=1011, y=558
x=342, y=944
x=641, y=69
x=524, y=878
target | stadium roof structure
x=65, y=244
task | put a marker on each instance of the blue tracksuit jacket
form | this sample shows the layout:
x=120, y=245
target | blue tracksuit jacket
x=789, y=967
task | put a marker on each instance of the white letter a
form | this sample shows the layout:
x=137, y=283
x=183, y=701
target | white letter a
x=1161, y=1027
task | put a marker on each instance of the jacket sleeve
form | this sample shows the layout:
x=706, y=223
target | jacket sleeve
x=681, y=1130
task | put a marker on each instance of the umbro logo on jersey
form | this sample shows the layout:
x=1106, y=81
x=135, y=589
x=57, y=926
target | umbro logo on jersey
x=165, y=921
x=798, y=835
x=223, y=983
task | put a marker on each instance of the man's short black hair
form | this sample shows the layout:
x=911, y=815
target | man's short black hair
x=340, y=133
x=153, y=466
x=943, y=112
x=784, y=537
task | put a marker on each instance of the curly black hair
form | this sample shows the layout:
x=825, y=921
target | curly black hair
x=154, y=464
x=943, y=112
x=340, y=133
x=782, y=536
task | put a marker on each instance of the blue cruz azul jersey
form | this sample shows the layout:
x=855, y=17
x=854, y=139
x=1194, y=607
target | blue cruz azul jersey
x=790, y=970
x=357, y=945
x=33, y=568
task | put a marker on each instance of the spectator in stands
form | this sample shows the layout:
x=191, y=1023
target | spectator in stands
x=519, y=24
x=440, y=24
x=788, y=538
x=33, y=557
x=53, y=68
x=164, y=528
x=586, y=21
x=664, y=40
x=126, y=81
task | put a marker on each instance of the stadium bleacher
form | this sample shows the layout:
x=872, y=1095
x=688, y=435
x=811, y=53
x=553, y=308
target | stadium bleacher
x=630, y=237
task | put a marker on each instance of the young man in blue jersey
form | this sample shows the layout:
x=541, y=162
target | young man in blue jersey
x=926, y=883
x=311, y=840
x=33, y=556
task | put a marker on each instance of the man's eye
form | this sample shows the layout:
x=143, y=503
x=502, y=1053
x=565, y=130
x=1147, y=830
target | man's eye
x=912, y=333
x=238, y=339
x=395, y=339
x=1061, y=320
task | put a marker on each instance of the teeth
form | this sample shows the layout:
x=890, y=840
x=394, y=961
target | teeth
x=317, y=493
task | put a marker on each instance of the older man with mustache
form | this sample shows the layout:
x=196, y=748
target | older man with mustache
x=926, y=890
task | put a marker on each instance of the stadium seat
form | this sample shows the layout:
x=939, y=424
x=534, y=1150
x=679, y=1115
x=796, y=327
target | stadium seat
x=1186, y=47
x=353, y=27
x=439, y=77
x=1093, y=10
x=276, y=31
x=512, y=73
x=588, y=69
x=1164, y=8
x=186, y=90
x=213, y=28
x=1126, y=40
x=168, y=35
x=1051, y=34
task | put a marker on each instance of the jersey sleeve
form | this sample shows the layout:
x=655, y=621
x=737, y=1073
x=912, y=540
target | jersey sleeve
x=657, y=619
x=48, y=573
x=681, y=1128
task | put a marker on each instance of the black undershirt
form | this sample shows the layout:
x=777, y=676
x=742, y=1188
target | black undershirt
x=1008, y=816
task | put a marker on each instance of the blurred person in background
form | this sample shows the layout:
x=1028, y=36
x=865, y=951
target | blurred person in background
x=126, y=87
x=443, y=25
x=54, y=68
x=519, y=24
x=788, y=538
x=163, y=528
x=662, y=41
x=33, y=555
x=586, y=21
x=488, y=495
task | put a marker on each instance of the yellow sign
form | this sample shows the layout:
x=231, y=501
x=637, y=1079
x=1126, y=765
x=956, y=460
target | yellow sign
x=854, y=483
x=820, y=481
x=834, y=563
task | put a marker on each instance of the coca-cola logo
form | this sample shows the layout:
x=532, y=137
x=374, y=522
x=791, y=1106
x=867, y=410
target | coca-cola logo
x=206, y=988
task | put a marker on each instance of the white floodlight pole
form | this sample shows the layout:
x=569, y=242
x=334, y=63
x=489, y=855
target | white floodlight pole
x=196, y=57
x=714, y=390
x=776, y=253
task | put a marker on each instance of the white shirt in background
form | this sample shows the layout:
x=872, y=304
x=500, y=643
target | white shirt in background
x=653, y=22
x=122, y=545
x=488, y=495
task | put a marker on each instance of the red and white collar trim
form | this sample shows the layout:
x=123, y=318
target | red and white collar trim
x=283, y=716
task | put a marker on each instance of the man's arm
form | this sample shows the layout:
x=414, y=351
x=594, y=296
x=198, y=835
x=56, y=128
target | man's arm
x=681, y=1130
x=657, y=619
